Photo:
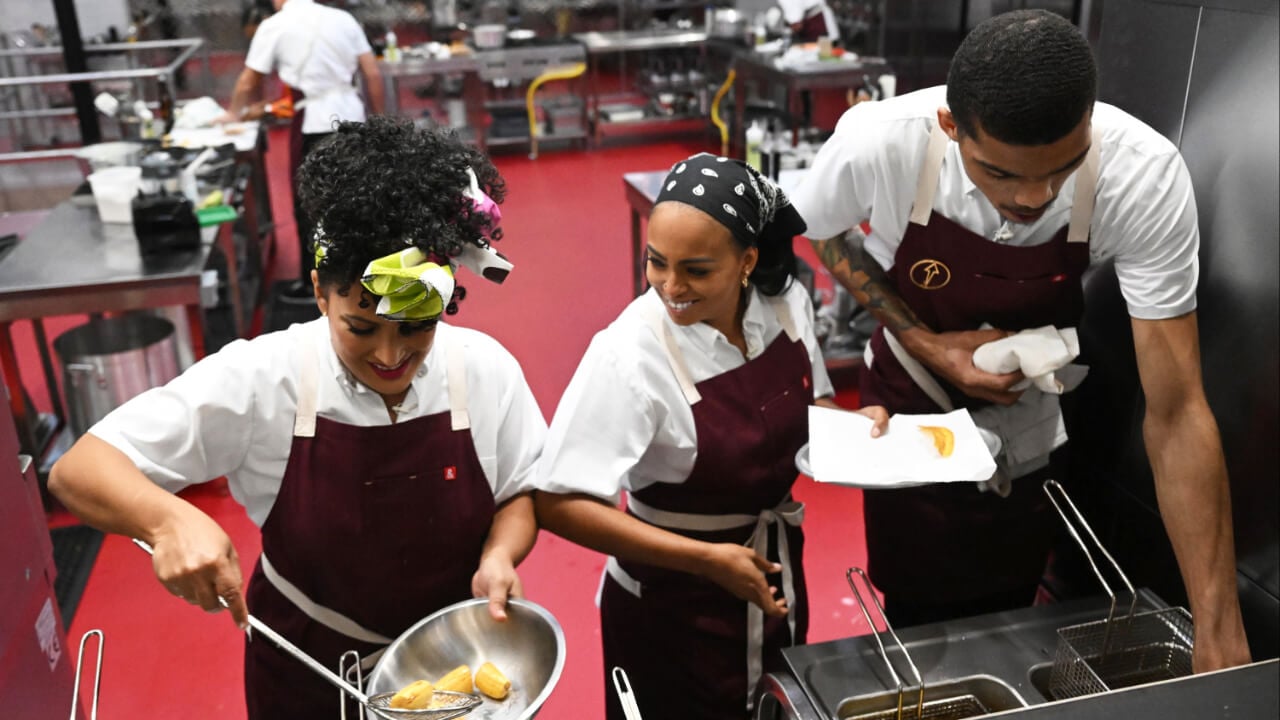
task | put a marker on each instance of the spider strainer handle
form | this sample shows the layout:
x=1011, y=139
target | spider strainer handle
x=622, y=684
x=97, y=675
x=376, y=703
x=884, y=654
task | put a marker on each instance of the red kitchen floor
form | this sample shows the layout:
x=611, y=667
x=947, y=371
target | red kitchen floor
x=566, y=225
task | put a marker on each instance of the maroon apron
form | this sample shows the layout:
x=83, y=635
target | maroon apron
x=377, y=527
x=296, y=151
x=813, y=26
x=684, y=641
x=949, y=542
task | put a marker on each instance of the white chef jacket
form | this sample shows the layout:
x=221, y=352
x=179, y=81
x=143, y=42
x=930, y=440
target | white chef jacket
x=315, y=49
x=232, y=413
x=1144, y=217
x=624, y=423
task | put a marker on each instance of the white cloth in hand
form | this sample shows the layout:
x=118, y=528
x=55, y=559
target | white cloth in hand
x=1043, y=354
x=198, y=113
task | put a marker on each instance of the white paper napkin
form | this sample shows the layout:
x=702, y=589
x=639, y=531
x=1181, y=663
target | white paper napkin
x=842, y=451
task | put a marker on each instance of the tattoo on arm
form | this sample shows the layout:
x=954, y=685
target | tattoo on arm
x=862, y=276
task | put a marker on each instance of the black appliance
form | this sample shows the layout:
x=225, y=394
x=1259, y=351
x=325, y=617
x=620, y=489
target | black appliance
x=165, y=224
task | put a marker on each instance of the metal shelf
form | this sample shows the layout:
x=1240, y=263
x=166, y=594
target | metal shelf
x=524, y=140
x=660, y=123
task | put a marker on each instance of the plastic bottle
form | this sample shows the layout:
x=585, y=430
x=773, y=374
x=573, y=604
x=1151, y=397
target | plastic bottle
x=779, y=143
x=766, y=152
x=755, y=136
x=392, y=53
x=166, y=103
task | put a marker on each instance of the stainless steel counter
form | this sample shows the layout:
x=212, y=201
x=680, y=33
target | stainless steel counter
x=73, y=263
x=1015, y=649
x=629, y=40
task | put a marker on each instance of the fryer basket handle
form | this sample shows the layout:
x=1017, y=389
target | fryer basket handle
x=1050, y=488
x=884, y=654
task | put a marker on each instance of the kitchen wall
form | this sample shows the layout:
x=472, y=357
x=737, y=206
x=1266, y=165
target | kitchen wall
x=95, y=16
x=1204, y=75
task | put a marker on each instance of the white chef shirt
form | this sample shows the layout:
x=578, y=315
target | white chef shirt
x=1144, y=215
x=624, y=422
x=315, y=49
x=232, y=413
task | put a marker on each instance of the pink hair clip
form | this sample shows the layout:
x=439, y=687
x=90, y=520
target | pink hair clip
x=481, y=199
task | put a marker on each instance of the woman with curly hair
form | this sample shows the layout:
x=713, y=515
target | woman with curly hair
x=695, y=401
x=385, y=455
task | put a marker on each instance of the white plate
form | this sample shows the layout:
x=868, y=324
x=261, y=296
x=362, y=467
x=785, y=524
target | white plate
x=802, y=464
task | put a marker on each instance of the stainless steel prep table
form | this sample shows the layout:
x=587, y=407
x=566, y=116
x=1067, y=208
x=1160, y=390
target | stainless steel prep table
x=250, y=141
x=599, y=44
x=752, y=68
x=72, y=263
x=413, y=67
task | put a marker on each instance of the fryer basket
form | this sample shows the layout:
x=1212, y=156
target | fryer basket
x=1147, y=647
x=932, y=703
x=1117, y=651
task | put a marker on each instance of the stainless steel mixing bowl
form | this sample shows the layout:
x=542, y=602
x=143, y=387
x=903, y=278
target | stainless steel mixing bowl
x=528, y=648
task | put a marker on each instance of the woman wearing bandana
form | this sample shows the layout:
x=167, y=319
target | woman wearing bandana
x=695, y=401
x=386, y=455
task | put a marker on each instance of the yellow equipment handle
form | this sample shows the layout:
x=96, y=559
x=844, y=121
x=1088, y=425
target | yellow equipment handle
x=715, y=112
x=563, y=72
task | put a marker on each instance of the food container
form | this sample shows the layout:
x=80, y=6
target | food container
x=100, y=156
x=113, y=191
x=520, y=37
x=489, y=37
x=726, y=23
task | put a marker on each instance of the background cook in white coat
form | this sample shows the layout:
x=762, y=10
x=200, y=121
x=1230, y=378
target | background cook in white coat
x=315, y=49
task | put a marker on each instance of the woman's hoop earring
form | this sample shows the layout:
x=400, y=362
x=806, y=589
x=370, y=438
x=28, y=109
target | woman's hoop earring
x=745, y=279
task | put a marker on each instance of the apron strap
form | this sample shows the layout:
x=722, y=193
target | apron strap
x=327, y=617
x=313, y=29
x=783, y=311
x=686, y=521
x=1085, y=192
x=927, y=181
x=304, y=420
x=675, y=357
x=654, y=316
x=788, y=512
x=457, y=381
x=918, y=372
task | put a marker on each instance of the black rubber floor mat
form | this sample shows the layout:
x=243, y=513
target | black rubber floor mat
x=74, y=550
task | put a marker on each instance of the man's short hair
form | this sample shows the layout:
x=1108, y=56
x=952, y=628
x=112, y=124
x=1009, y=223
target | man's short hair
x=1025, y=78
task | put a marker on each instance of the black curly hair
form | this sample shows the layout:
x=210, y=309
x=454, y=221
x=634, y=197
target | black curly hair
x=377, y=187
x=1025, y=77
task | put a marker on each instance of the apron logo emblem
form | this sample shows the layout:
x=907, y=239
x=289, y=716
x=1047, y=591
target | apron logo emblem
x=929, y=274
x=451, y=472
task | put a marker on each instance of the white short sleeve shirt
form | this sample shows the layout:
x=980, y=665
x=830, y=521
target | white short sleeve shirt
x=624, y=423
x=1144, y=214
x=315, y=49
x=232, y=413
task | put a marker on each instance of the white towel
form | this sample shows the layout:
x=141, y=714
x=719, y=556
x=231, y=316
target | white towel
x=1044, y=355
x=1031, y=428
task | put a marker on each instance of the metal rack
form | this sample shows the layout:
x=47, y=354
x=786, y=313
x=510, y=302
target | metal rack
x=29, y=115
x=602, y=44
